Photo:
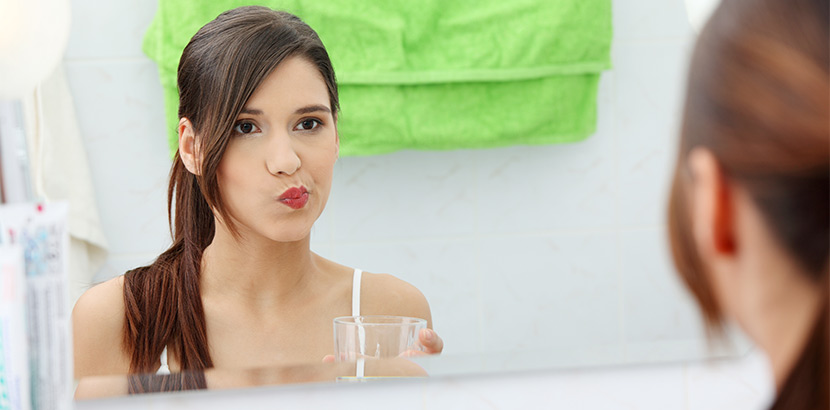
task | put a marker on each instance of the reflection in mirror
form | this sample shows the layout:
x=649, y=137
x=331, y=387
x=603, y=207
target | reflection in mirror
x=257, y=138
x=530, y=256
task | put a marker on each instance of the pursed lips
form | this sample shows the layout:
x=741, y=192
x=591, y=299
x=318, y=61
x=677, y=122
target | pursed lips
x=294, y=197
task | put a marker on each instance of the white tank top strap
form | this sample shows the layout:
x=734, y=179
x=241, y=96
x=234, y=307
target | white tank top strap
x=356, y=292
x=359, y=366
x=163, y=369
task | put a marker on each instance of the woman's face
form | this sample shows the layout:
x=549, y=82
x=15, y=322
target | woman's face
x=275, y=175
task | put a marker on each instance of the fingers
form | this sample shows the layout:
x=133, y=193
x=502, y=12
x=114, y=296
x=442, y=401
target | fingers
x=329, y=358
x=432, y=343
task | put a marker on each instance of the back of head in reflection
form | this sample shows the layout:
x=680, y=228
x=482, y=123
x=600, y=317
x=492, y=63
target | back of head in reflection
x=750, y=202
x=239, y=286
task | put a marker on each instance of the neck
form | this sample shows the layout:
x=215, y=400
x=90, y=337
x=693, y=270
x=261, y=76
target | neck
x=784, y=318
x=258, y=270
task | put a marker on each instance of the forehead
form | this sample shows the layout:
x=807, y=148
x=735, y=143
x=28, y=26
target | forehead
x=295, y=81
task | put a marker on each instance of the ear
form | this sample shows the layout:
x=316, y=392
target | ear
x=336, y=138
x=188, y=148
x=337, y=145
x=713, y=219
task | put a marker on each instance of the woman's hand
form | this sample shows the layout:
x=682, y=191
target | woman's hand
x=432, y=343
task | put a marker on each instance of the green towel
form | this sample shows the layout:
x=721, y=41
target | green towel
x=430, y=74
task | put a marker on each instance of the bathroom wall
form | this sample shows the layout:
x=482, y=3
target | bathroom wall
x=559, y=247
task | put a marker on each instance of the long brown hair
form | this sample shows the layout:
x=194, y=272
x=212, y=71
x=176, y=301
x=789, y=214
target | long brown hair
x=219, y=70
x=758, y=98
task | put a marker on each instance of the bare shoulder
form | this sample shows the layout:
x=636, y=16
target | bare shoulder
x=98, y=329
x=384, y=294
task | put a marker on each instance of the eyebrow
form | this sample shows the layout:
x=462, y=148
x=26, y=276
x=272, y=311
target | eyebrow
x=312, y=108
x=299, y=111
x=246, y=110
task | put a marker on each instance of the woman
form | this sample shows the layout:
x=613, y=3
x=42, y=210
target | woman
x=750, y=204
x=239, y=286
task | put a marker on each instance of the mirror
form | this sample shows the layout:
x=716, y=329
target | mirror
x=530, y=257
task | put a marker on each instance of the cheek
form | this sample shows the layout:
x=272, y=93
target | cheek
x=322, y=173
x=233, y=179
x=237, y=163
x=225, y=179
x=320, y=162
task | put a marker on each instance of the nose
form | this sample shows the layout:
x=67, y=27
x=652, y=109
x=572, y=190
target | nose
x=282, y=157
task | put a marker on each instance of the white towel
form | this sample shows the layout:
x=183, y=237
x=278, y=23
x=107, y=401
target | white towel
x=60, y=171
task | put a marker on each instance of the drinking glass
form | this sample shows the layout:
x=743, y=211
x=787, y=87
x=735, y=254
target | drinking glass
x=375, y=337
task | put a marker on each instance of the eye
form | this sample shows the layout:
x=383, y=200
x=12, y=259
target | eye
x=308, y=124
x=245, y=127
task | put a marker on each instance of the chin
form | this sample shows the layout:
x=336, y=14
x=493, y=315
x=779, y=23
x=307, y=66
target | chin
x=290, y=239
x=289, y=235
x=290, y=230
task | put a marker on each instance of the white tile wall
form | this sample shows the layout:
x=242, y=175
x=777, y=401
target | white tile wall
x=120, y=113
x=404, y=195
x=518, y=247
x=656, y=305
x=649, y=21
x=543, y=292
x=108, y=30
x=649, y=89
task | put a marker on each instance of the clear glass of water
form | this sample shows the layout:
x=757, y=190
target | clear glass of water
x=375, y=337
